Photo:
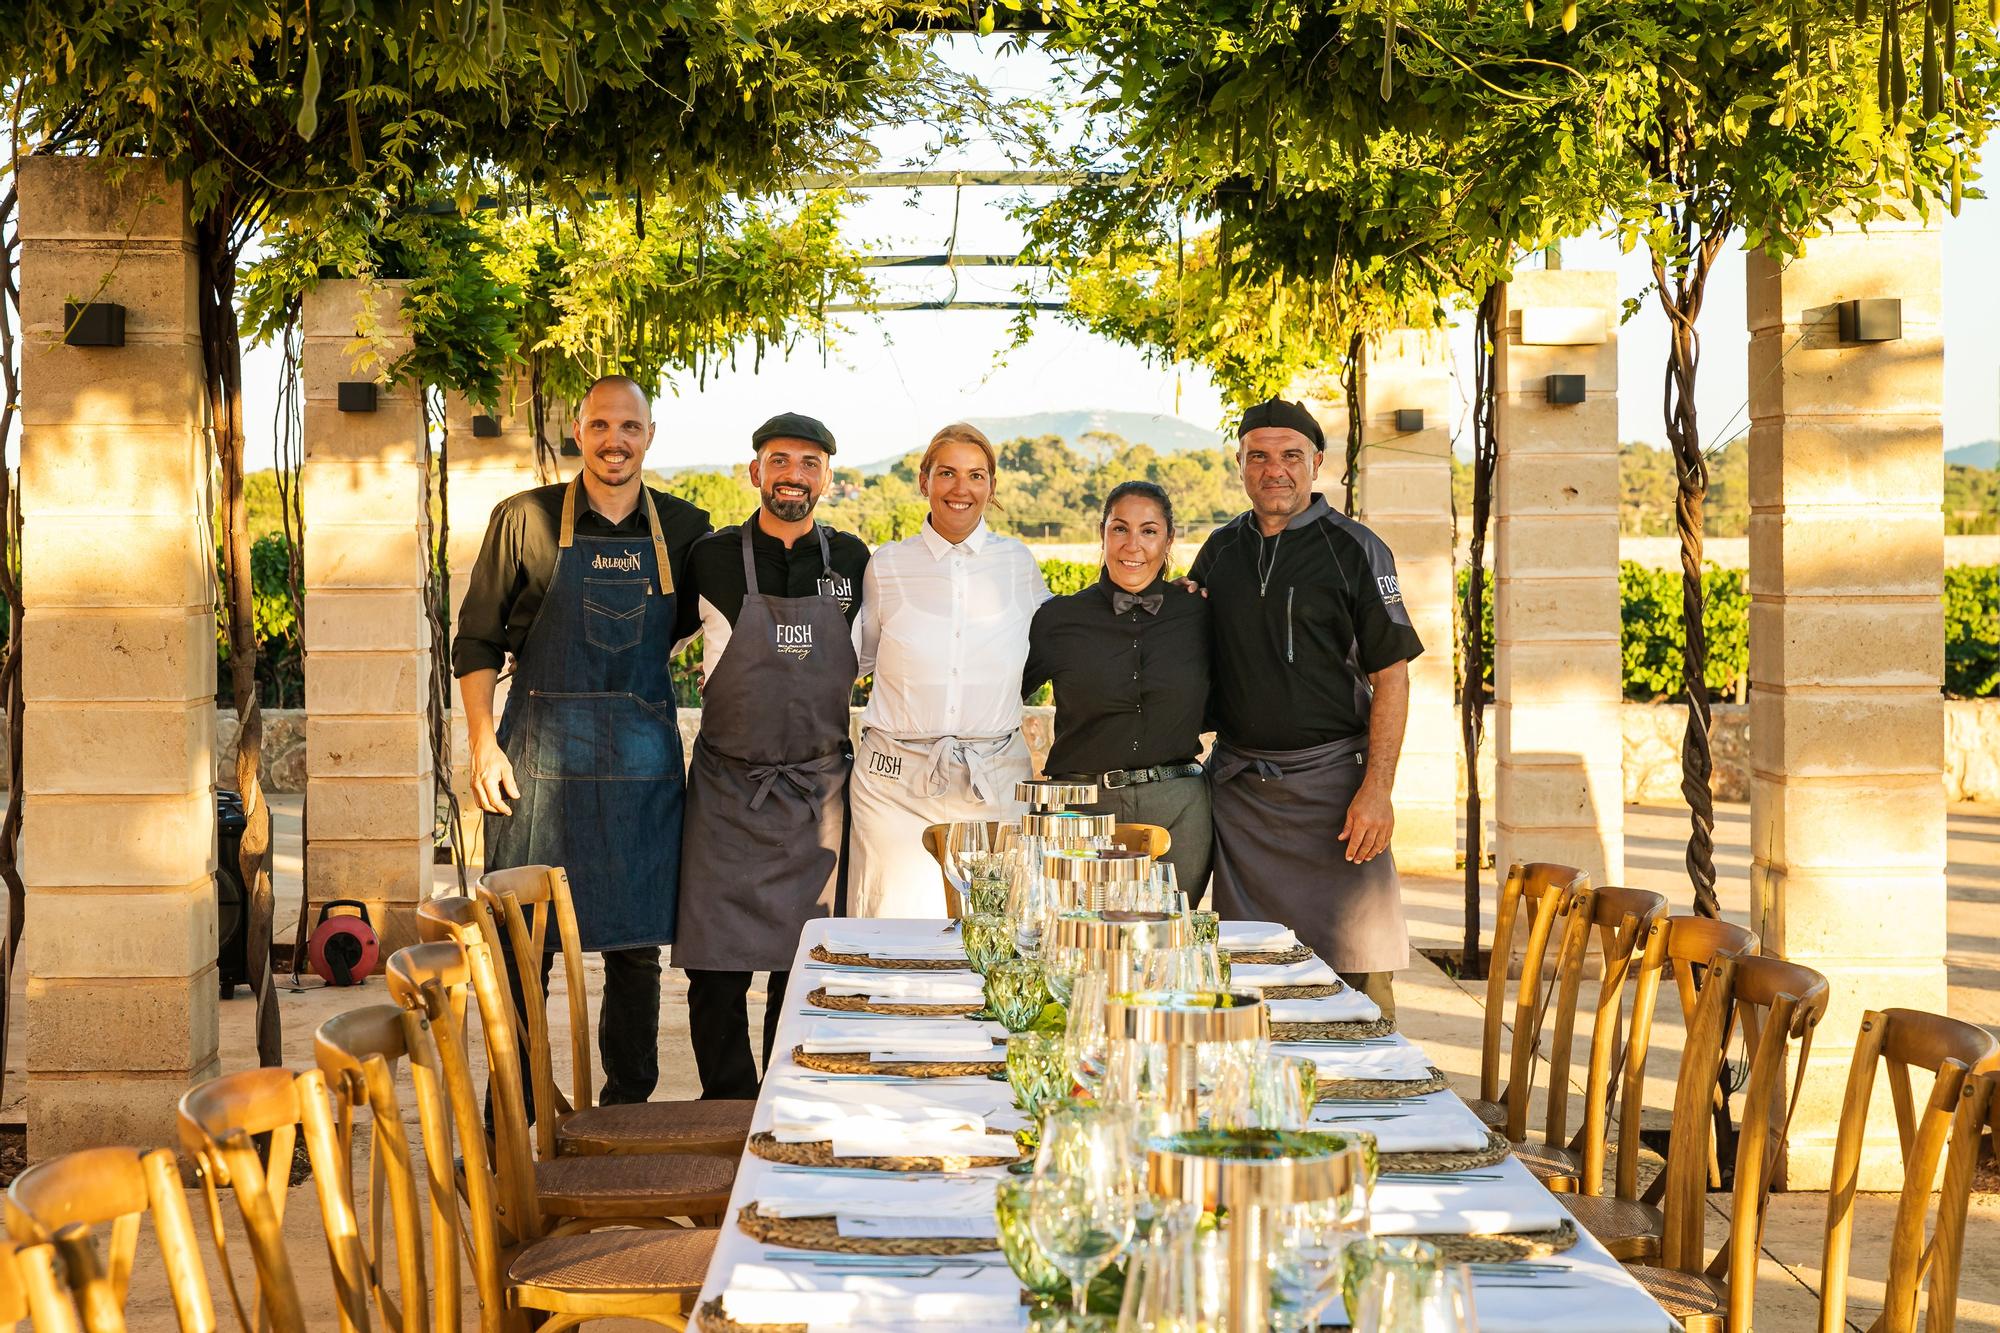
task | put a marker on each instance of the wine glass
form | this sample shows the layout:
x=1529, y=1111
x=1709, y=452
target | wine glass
x=1308, y=1244
x=1393, y=1283
x=968, y=842
x=1028, y=898
x=1086, y=1039
x=1081, y=1221
x=1279, y=1096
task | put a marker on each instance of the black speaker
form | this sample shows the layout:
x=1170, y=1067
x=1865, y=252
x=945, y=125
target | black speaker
x=232, y=904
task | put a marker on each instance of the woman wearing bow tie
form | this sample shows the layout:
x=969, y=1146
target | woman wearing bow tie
x=1128, y=657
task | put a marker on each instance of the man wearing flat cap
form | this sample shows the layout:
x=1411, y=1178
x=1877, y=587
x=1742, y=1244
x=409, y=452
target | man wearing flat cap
x=767, y=786
x=1309, y=692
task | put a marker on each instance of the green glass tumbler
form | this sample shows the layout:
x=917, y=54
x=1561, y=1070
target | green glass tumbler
x=988, y=896
x=1043, y=1280
x=1016, y=992
x=1207, y=927
x=989, y=941
x=1037, y=1071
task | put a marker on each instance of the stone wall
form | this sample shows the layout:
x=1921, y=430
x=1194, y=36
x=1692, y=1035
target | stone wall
x=1652, y=749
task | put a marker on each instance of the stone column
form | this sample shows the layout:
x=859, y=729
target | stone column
x=1559, y=753
x=118, y=655
x=1847, y=812
x=1403, y=493
x=480, y=472
x=370, y=800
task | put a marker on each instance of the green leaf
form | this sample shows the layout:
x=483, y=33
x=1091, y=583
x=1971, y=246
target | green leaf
x=308, y=122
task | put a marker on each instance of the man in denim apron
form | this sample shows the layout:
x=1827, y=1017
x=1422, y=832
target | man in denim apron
x=577, y=582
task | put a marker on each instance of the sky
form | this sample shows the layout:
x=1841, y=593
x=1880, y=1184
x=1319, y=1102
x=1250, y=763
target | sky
x=890, y=380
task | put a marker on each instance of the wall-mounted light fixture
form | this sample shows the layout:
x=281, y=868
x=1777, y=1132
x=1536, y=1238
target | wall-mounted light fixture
x=357, y=396
x=1872, y=319
x=486, y=428
x=97, y=324
x=1409, y=420
x=1565, y=390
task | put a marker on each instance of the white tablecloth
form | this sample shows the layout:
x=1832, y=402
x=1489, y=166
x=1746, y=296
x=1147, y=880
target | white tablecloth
x=1591, y=1293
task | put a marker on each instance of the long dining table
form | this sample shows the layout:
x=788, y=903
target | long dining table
x=1580, y=1289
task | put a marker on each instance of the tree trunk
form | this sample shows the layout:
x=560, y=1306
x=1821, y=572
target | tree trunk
x=10, y=590
x=1472, y=688
x=217, y=247
x=1350, y=387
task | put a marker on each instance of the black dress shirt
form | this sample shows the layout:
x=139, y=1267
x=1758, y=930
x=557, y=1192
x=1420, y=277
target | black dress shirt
x=1130, y=686
x=715, y=575
x=511, y=576
x=1302, y=619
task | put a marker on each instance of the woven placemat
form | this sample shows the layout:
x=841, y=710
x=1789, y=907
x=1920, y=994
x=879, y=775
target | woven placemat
x=1383, y=1089
x=1504, y=1247
x=852, y=1062
x=1353, y=1031
x=823, y=1233
x=1298, y=953
x=1302, y=992
x=712, y=1320
x=1425, y=1163
x=863, y=1004
x=819, y=1152
x=820, y=954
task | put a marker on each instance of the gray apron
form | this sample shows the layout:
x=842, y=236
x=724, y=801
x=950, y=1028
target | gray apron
x=766, y=789
x=1278, y=854
x=594, y=737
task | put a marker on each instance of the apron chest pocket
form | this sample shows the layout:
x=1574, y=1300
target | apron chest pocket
x=602, y=736
x=614, y=613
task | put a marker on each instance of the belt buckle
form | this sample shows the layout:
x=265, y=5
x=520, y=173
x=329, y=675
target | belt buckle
x=1122, y=776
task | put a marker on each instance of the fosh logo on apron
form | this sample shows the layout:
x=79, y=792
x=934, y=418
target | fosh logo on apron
x=628, y=561
x=888, y=765
x=839, y=587
x=792, y=640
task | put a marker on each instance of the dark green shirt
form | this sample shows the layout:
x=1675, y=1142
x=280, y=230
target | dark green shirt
x=511, y=576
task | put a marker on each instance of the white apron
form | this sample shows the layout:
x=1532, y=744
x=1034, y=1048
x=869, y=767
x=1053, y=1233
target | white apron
x=900, y=788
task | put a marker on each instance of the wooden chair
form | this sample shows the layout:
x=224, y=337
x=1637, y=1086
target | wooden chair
x=580, y=1193
x=935, y=843
x=53, y=1208
x=1952, y=1052
x=521, y=1269
x=1776, y=1004
x=717, y=1128
x=1624, y=921
x=1548, y=891
x=219, y=1122
x=1151, y=839
x=31, y=1287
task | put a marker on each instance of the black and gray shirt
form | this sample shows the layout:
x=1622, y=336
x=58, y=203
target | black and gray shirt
x=1300, y=621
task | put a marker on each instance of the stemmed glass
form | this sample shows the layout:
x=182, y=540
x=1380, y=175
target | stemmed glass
x=1085, y=1039
x=1082, y=1203
x=1308, y=1243
x=1028, y=898
x=968, y=844
x=1282, y=1091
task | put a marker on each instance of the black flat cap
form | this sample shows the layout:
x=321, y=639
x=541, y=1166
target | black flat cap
x=1286, y=415
x=793, y=426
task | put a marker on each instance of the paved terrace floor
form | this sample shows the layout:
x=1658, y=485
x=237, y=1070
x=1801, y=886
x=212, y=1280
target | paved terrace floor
x=1434, y=1009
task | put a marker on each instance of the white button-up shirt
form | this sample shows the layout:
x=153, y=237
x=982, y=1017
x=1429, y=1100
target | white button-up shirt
x=944, y=629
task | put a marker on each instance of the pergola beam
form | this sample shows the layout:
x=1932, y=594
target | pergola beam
x=885, y=307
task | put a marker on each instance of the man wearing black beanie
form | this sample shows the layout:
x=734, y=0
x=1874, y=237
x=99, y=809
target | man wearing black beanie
x=1310, y=691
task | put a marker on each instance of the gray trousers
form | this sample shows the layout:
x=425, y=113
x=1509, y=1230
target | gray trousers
x=1180, y=806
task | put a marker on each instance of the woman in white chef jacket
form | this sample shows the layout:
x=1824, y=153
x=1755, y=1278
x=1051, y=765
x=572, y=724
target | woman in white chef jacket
x=944, y=628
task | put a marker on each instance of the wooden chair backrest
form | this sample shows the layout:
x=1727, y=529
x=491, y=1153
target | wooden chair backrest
x=1978, y=1111
x=935, y=842
x=447, y=969
x=31, y=1287
x=55, y=1206
x=357, y=1053
x=1547, y=890
x=1151, y=839
x=1684, y=948
x=523, y=901
x=1952, y=1052
x=1776, y=1004
x=1623, y=921
x=420, y=979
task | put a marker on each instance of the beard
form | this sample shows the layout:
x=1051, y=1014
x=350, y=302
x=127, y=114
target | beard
x=788, y=508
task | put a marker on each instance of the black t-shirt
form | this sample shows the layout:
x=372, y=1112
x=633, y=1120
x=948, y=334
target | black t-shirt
x=1130, y=688
x=511, y=576
x=715, y=576
x=1300, y=621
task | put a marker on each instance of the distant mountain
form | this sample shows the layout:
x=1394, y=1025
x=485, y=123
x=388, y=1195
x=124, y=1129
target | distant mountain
x=1984, y=454
x=1168, y=435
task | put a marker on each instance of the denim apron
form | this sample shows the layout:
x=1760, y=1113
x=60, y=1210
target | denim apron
x=766, y=790
x=592, y=733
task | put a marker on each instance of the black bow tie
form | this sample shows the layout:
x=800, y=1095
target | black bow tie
x=1122, y=601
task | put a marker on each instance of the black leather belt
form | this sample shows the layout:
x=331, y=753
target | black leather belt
x=1134, y=777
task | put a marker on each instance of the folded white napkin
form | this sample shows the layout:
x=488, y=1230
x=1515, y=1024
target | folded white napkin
x=893, y=939
x=763, y=1293
x=1401, y=1062
x=1399, y=1127
x=822, y=1194
x=938, y=987
x=1254, y=937
x=1348, y=1006
x=800, y=1112
x=875, y=1138
x=1452, y=1207
x=1308, y=972
x=831, y=1036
